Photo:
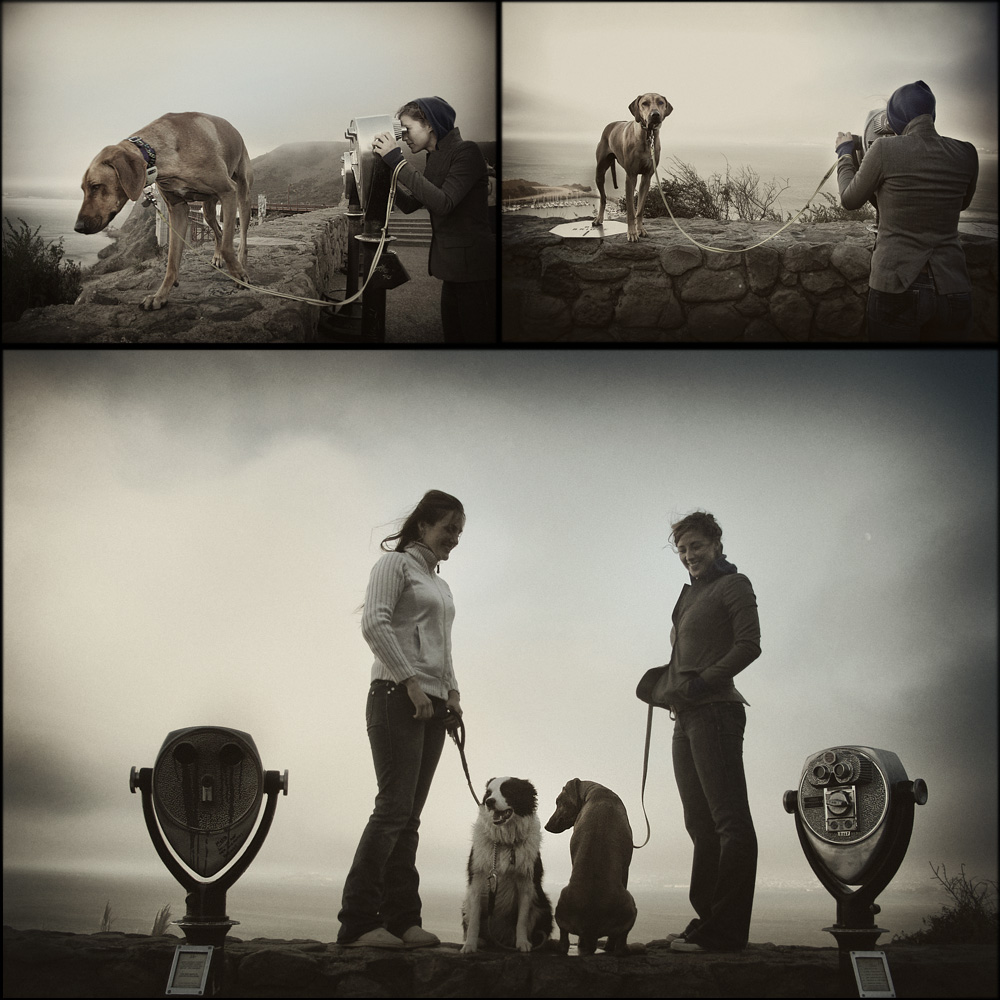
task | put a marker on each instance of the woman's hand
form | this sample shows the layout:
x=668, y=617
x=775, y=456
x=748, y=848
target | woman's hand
x=843, y=139
x=423, y=705
x=454, y=704
x=385, y=143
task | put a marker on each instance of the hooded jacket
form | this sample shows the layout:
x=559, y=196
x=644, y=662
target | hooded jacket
x=715, y=635
x=454, y=189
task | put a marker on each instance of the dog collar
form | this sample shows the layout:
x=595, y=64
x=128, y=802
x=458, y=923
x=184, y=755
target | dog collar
x=148, y=155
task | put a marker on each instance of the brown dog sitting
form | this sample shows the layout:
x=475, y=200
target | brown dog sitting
x=596, y=903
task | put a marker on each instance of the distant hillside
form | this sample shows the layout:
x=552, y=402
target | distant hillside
x=312, y=170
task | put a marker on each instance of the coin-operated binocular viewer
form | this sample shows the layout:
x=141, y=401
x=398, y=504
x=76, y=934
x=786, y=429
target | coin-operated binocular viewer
x=202, y=797
x=369, y=186
x=854, y=814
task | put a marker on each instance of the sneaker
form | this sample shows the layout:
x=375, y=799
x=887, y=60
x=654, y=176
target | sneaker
x=377, y=938
x=680, y=944
x=692, y=924
x=417, y=937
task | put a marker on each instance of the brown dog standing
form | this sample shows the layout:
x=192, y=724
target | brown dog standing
x=596, y=903
x=197, y=158
x=636, y=146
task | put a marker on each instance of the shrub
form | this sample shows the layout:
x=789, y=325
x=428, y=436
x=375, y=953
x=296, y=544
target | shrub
x=740, y=195
x=107, y=920
x=34, y=273
x=833, y=211
x=970, y=917
x=161, y=921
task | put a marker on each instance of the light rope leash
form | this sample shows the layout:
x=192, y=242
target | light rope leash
x=287, y=295
x=659, y=187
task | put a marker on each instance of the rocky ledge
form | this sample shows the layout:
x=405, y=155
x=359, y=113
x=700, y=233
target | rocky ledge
x=54, y=964
x=299, y=256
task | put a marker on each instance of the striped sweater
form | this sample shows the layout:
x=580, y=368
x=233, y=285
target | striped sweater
x=407, y=621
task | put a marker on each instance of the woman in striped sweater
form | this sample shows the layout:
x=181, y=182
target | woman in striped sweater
x=407, y=619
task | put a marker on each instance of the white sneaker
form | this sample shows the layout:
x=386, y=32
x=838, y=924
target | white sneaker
x=377, y=938
x=417, y=937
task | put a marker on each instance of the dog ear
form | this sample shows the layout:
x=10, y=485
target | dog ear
x=670, y=107
x=634, y=109
x=131, y=175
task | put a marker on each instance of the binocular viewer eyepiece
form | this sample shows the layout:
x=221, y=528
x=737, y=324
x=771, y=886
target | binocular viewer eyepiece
x=848, y=806
x=361, y=162
x=853, y=811
x=876, y=126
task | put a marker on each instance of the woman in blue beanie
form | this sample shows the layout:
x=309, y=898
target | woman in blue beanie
x=454, y=189
x=919, y=287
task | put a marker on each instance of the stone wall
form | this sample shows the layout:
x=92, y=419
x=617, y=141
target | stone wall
x=810, y=283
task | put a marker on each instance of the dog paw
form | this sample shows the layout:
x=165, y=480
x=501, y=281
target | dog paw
x=469, y=948
x=151, y=302
x=523, y=944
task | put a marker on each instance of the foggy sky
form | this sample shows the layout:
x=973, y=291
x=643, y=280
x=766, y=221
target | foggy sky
x=80, y=76
x=188, y=536
x=746, y=72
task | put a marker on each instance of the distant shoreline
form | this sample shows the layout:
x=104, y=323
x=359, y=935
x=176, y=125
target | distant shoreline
x=519, y=192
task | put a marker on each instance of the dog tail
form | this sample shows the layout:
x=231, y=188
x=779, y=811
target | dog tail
x=614, y=176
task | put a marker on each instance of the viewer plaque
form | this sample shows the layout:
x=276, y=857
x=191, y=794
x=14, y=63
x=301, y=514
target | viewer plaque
x=189, y=972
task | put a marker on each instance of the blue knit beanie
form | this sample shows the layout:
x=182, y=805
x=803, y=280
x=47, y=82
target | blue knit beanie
x=439, y=113
x=909, y=102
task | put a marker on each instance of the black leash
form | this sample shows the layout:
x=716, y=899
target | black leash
x=457, y=732
x=645, y=769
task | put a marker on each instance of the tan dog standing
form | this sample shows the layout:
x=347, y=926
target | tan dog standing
x=636, y=146
x=596, y=903
x=197, y=157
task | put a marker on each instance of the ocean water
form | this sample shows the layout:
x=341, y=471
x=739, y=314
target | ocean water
x=305, y=905
x=800, y=166
x=55, y=217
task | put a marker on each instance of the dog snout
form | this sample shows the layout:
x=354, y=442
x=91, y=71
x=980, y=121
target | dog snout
x=558, y=822
x=490, y=802
x=90, y=224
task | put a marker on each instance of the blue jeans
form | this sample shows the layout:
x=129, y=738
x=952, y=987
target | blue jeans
x=382, y=887
x=708, y=765
x=919, y=313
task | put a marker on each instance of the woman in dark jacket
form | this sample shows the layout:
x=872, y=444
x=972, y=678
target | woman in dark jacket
x=455, y=190
x=715, y=635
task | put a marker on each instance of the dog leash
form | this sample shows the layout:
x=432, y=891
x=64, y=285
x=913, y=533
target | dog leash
x=704, y=246
x=457, y=733
x=151, y=200
x=645, y=771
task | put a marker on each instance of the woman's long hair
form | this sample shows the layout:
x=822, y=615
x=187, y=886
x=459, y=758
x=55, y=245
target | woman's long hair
x=434, y=506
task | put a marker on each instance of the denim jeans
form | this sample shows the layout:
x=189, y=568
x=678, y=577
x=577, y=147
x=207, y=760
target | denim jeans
x=919, y=313
x=382, y=887
x=708, y=765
